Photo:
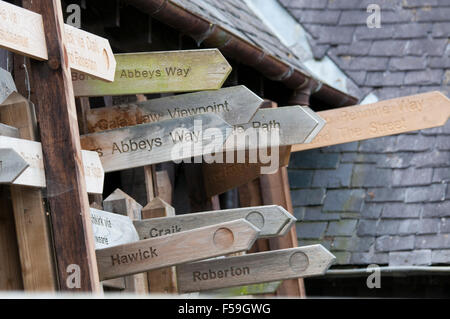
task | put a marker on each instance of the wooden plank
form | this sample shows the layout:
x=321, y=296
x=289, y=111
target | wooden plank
x=6, y=130
x=34, y=175
x=30, y=216
x=89, y=53
x=249, y=269
x=161, y=280
x=235, y=105
x=10, y=271
x=221, y=177
x=249, y=290
x=11, y=165
x=176, y=249
x=120, y=203
x=55, y=108
x=22, y=31
x=390, y=117
x=153, y=143
x=271, y=220
x=159, y=72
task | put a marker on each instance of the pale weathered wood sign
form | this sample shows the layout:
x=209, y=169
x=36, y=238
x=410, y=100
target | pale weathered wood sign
x=178, y=248
x=34, y=175
x=235, y=105
x=22, y=31
x=249, y=290
x=390, y=117
x=11, y=165
x=89, y=53
x=159, y=142
x=159, y=72
x=249, y=269
x=7, y=86
x=6, y=130
x=271, y=220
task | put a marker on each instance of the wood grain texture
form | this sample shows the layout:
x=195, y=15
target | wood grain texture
x=6, y=130
x=249, y=290
x=152, y=143
x=120, y=203
x=221, y=177
x=34, y=174
x=235, y=105
x=162, y=280
x=159, y=72
x=22, y=31
x=390, y=117
x=55, y=109
x=176, y=249
x=10, y=270
x=249, y=269
x=30, y=216
x=89, y=53
x=11, y=165
x=270, y=220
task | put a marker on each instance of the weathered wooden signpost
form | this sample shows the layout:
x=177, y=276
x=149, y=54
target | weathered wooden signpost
x=177, y=248
x=33, y=175
x=159, y=72
x=254, y=268
x=11, y=165
x=390, y=117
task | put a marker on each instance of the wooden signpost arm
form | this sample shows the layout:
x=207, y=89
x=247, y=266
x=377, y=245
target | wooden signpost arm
x=56, y=113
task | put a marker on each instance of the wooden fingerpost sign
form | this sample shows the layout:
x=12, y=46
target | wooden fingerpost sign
x=153, y=143
x=390, y=117
x=159, y=72
x=11, y=165
x=235, y=105
x=34, y=174
x=271, y=220
x=178, y=248
x=254, y=268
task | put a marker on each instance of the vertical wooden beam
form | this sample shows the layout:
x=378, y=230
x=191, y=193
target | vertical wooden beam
x=162, y=280
x=60, y=138
x=120, y=203
x=196, y=188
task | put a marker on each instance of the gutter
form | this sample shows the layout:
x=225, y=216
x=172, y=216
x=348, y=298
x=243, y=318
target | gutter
x=230, y=45
x=392, y=270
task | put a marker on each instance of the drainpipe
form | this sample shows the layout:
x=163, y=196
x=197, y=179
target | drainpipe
x=212, y=35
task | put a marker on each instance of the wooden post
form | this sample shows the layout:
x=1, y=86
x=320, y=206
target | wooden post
x=55, y=108
x=120, y=203
x=161, y=280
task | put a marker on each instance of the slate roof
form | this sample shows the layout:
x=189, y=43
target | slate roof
x=385, y=200
x=239, y=19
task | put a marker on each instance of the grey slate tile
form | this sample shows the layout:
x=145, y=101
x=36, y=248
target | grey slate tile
x=345, y=227
x=426, y=77
x=433, y=15
x=384, y=78
x=410, y=258
x=299, y=213
x=439, y=62
x=352, y=244
x=408, y=63
x=430, y=47
x=371, y=211
x=395, y=160
x=436, y=209
x=364, y=33
x=402, y=210
x=432, y=193
x=316, y=214
x=318, y=16
x=441, y=241
x=398, y=227
x=366, y=175
x=443, y=143
x=440, y=256
x=333, y=178
x=305, y=4
x=412, y=30
x=313, y=160
x=353, y=17
x=414, y=143
x=386, y=195
x=385, y=144
x=367, y=227
x=388, y=47
x=342, y=258
x=367, y=64
x=394, y=243
x=429, y=226
x=434, y=158
x=344, y=200
x=311, y=230
x=412, y=176
x=441, y=30
x=441, y=175
x=369, y=258
x=300, y=178
x=308, y=197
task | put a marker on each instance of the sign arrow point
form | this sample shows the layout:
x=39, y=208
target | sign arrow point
x=11, y=165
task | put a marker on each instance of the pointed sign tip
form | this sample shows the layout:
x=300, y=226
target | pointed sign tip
x=12, y=165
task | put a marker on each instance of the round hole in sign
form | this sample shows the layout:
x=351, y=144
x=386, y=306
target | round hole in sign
x=223, y=238
x=106, y=58
x=298, y=261
x=256, y=218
